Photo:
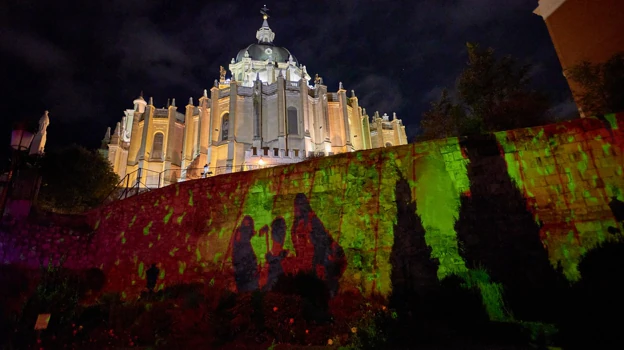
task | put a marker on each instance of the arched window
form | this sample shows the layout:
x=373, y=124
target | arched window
x=293, y=121
x=225, y=126
x=388, y=144
x=157, y=146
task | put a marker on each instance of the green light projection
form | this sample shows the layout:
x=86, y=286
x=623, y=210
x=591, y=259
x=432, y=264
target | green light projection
x=566, y=167
x=438, y=202
x=259, y=205
x=567, y=175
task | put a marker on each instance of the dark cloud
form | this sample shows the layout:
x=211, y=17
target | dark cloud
x=87, y=61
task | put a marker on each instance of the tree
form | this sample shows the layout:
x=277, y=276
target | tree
x=442, y=119
x=74, y=180
x=493, y=94
x=601, y=85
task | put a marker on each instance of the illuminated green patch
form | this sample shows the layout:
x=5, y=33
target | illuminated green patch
x=133, y=220
x=198, y=254
x=168, y=216
x=190, y=201
x=583, y=164
x=141, y=269
x=180, y=218
x=514, y=169
x=491, y=293
x=438, y=203
x=181, y=267
x=217, y=257
x=612, y=121
x=146, y=229
x=259, y=205
x=173, y=251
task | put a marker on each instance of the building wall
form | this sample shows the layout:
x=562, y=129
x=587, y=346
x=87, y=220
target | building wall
x=546, y=189
x=327, y=123
x=584, y=30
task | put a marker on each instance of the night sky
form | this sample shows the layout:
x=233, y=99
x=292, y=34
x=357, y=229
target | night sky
x=85, y=61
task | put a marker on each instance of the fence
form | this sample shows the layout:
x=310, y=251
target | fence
x=142, y=180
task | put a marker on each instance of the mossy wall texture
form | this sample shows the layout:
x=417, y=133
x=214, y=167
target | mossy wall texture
x=492, y=203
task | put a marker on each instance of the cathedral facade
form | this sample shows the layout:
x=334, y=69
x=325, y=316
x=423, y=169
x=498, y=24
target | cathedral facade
x=269, y=112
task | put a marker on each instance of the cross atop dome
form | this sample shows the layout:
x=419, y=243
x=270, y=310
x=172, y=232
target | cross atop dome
x=264, y=12
x=265, y=34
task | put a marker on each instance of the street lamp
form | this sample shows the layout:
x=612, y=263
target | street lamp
x=261, y=162
x=20, y=141
x=21, y=138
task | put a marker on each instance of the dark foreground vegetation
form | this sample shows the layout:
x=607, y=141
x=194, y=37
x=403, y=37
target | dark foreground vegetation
x=299, y=312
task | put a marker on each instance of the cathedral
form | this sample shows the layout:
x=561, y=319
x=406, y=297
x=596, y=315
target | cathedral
x=268, y=112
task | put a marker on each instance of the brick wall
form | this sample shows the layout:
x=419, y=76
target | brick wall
x=488, y=202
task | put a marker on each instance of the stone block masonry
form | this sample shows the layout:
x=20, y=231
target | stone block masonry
x=549, y=189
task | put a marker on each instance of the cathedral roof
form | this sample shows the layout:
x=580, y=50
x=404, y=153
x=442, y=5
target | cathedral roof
x=264, y=51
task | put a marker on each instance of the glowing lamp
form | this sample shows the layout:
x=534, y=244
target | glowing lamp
x=20, y=138
x=261, y=162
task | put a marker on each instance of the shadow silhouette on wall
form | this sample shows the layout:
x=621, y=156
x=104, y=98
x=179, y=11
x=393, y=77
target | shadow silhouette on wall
x=277, y=253
x=414, y=272
x=243, y=257
x=596, y=304
x=427, y=308
x=316, y=251
x=617, y=208
x=499, y=234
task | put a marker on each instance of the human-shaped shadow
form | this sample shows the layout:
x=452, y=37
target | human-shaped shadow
x=152, y=276
x=243, y=257
x=275, y=256
x=316, y=249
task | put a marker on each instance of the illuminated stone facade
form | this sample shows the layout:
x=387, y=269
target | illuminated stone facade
x=517, y=203
x=267, y=113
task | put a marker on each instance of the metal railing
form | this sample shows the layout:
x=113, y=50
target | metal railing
x=143, y=180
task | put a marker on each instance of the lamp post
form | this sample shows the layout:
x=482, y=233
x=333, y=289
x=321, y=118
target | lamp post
x=20, y=141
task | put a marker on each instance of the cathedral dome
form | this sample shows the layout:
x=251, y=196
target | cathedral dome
x=264, y=51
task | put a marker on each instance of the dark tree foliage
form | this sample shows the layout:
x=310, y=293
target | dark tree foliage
x=593, y=321
x=443, y=119
x=75, y=179
x=493, y=94
x=601, y=85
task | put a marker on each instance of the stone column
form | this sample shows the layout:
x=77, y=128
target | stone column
x=281, y=112
x=171, y=120
x=233, y=96
x=356, y=120
x=342, y=100
x=308, y=129
x=366, y=133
